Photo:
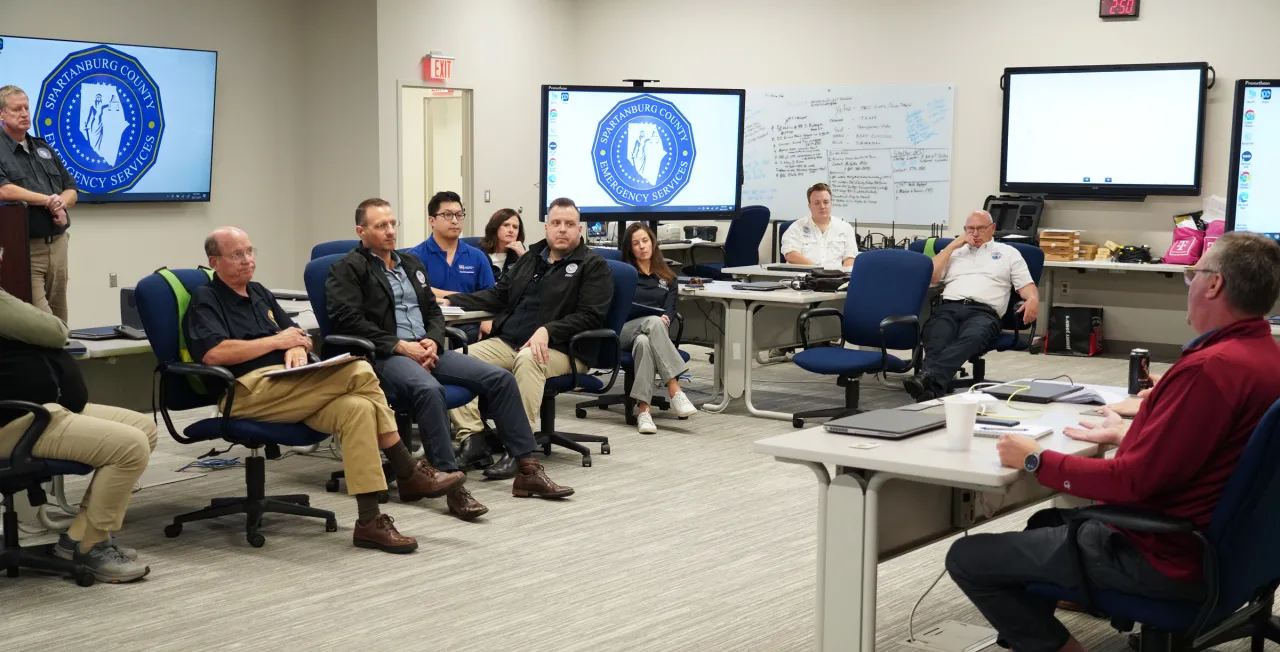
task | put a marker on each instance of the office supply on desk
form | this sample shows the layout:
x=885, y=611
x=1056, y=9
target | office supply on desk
x=961, y=414
x=452, y=310
x=331, y=362
x=130, y=333
x=995, y=432
x=909, y=157
x=94, y=334
x=759, y=286
x=75, y=348
x=289, y=295
x=792, y=267
x=993, y=421
x=1031, y=391
x=886, y=424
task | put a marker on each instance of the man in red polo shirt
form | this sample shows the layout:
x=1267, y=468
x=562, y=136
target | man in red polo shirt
x=1174, y=459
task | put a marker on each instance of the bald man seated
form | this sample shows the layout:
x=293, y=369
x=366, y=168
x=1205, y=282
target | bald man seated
x=977, y=275
x=236, y=323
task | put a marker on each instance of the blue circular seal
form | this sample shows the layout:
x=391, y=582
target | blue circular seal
x=643, y=151
x=101, y=111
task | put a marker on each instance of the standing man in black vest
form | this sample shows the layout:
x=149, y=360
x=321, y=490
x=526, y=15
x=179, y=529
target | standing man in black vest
x=31, y=172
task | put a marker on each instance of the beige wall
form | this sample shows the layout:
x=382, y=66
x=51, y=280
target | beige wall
x=504, y=49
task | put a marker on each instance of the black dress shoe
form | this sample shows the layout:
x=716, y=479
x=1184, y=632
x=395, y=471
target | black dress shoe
x=474, y=453
x=504, y=469
x=916, y=386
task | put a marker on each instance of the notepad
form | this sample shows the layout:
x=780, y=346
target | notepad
x=331, y=362
x=1027, y=430
x=451, y=310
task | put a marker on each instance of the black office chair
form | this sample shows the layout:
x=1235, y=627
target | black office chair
x=22, y=471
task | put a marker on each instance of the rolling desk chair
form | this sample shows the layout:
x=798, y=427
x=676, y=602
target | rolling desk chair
x=629, y=379
x=333, y=247
x=1011, y=327
x=741, y=244
x=624, y=292
x=1241, y=567
x=313, y=278
x=886, y=293
x=21, y=471
x=158, y=308
x=608, y=253
x=777, y=243
x=473, y=241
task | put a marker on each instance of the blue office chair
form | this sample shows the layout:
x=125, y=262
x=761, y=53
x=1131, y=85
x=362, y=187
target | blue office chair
x=22, y=471
x=782, y=230
x=1011, y=327
x=610, y=357
x=333, y=247
x=158, y=309
x=629, y=380
x=741, y=244
x=608, y=253
x=1241, y=567
x=313, y=278
x=473, y=241
x=886, y=293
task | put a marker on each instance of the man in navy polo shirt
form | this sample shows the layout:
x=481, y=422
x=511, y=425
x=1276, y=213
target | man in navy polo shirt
x=452, y=265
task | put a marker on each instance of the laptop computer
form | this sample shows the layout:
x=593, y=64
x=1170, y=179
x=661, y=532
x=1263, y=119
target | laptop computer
x=887, y=424
x=94, y=334
x=1031, y=391
x=759, y=286
x=791, y=267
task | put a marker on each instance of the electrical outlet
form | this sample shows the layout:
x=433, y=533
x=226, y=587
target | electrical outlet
x=486, y=197
x=1066, y=288
x=112, y=280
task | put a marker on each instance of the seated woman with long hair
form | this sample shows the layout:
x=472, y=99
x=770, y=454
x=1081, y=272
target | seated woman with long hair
x=647, y=332
x=503, y=240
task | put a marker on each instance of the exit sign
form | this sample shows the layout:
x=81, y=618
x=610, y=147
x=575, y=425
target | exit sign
x=437, y=68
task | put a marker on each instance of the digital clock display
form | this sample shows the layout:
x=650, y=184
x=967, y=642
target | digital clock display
x=1117, y=8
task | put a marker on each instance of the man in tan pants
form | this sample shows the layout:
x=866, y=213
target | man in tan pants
x=557, y=290
x=236, y=323
x=116, y=442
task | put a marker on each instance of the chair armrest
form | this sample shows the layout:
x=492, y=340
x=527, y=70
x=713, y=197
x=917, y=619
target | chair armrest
x=350, y=344
x=1129, y=518
x=814, y=313
x=693, y=252
x=20, y=458
x=596, y=334
x=202, y=370
x=456, y=335
x=894, y=320
x=221, y=375
x=679, y=329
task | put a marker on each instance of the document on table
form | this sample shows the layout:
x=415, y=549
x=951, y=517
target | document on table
x=331, y=362
x=451, y=310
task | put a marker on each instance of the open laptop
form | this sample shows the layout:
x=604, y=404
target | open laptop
x=1031, y=391
x=887, y=424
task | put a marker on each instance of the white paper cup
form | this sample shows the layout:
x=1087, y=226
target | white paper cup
x=962, y=414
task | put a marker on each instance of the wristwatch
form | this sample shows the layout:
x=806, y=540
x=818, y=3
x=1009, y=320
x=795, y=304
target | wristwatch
x=1032, y=463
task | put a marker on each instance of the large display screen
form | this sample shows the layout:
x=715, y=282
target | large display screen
x=130, y=122
x=624, y=152
x=1104, y=131
x=1253, y=200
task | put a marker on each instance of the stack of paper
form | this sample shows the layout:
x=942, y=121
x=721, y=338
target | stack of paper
x=452, y=310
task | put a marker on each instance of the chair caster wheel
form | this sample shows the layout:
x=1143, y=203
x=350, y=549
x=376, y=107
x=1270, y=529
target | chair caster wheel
x=797, y=423
x=586, y=460
x=331, y=486
x=331, y=525
x=256, y=540
x=604, y=449
x=580, y=413
x=84, y=579
x=603, y=407
x=173, y=530
x=384, y=497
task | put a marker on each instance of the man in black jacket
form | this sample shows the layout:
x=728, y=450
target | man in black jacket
x=385, y=297
x=558, y=289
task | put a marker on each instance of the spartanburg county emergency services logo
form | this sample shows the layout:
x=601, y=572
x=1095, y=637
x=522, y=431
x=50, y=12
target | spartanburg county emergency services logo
x=644, y=151
x=101, y=111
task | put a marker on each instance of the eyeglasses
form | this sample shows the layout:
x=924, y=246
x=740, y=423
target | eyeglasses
x=977, y=229
x=239, y=256
x=452, y=217
x=1189, y=274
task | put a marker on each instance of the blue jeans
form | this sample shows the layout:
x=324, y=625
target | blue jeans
x=412, y=389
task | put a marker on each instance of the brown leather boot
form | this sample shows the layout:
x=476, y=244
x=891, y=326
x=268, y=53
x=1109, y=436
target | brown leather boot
x=532, y=480
x=463, y=505
x=428, y=482
x=381, y=534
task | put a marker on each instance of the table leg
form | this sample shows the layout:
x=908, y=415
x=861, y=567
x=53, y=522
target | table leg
x=824, y=481
x=737, y=357
x=870, y=559
x=718, y=367
x=1046, y=301
x=746, y=371
x=841, y=565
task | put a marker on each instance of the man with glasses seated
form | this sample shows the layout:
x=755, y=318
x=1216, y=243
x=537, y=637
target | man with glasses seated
x=977, y=275
x=453, y=266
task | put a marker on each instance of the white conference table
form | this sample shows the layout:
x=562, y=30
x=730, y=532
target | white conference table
x=1084, y=266
x=761, y=272
x=909, y=485
x=736, y=346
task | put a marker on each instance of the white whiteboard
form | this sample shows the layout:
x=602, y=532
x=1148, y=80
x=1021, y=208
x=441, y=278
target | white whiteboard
x=885, y=151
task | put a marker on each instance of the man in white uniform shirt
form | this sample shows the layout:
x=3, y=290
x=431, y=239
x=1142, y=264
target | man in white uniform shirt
x=978, y=274
x=818, y=239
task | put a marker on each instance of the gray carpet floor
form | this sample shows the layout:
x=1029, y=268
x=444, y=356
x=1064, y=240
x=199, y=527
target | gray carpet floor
x=684, y=540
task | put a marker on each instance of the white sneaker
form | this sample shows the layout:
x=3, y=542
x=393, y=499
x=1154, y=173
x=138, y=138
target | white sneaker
x=644, y=423
x=683, y=406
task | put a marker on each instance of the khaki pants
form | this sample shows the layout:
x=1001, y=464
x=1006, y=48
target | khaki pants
x=115, y=442
x=531, y=377
x=343, y=401
x=49, y=275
